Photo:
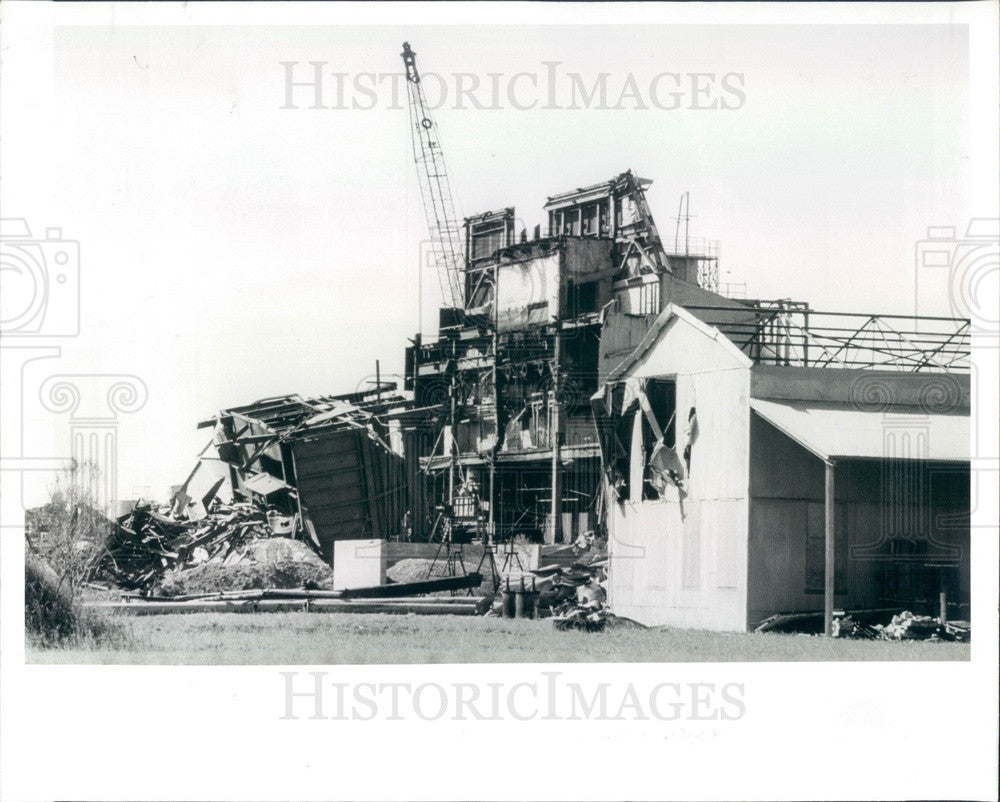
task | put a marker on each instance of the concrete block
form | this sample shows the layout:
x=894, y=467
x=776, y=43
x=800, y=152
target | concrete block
x=358, y=563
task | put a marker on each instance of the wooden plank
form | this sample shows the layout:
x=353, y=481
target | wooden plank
x=364, y=449
x=472, y=606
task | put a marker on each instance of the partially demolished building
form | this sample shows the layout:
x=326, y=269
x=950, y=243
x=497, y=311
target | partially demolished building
x=772, y=461
x=335, y=462
x=496, y=407
x=518, y=365
x=551, y=405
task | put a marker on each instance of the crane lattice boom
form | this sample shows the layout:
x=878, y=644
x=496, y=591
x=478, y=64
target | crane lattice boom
x=435, y=189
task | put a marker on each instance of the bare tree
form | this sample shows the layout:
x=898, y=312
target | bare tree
x=69, y=532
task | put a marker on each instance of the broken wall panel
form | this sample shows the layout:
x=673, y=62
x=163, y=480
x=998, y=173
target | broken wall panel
x=548, y=280
x=587, y=259
x=484, y=235
x=528, y=292
x=336, y=455
x=350, y=487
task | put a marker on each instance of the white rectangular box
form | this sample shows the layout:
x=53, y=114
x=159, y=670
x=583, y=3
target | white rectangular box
x=358, y=563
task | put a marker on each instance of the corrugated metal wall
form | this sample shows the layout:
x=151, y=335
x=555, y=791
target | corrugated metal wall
x=350, y=487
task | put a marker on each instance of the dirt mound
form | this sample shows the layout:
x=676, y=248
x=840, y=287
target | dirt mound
x=416, y=570
x=259, y=563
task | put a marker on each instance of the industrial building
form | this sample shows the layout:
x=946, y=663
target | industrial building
x=742, y=457
x=496, y=408
x=518, y=364
x=595, y=383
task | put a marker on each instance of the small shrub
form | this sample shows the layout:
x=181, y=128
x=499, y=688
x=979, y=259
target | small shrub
x=54, y=616
x=65, y=539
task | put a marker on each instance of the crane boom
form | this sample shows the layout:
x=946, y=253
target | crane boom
x=435, y=189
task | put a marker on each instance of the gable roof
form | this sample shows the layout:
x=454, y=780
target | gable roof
x=669, y=313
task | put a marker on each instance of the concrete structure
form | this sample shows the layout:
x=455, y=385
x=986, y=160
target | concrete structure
x=359, y=563
x=737, y=489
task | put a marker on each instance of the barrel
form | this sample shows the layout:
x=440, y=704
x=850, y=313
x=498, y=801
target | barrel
x=507, y=597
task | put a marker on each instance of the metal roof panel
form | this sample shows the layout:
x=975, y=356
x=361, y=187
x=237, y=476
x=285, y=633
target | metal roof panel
x=839, y=431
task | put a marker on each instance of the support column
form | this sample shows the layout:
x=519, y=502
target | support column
x=414, y=483
x=491, y=530
x=494, y=341
x=829, y=564
x=452, y=419
x=555, y=509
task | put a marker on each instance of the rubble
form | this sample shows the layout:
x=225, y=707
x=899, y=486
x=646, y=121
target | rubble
x=151, y=540
x=907, y=626
x=581, y=597
x=344, y=465
x=864, y=625
x=573, y=595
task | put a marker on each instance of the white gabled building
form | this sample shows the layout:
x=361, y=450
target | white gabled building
x=747, y=461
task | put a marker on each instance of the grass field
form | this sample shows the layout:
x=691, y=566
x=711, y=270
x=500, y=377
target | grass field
x=313, y=638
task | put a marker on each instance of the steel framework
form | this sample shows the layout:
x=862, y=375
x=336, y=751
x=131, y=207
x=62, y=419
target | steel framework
x=773, y=333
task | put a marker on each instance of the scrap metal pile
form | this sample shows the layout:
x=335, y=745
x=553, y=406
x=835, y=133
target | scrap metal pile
x=572, y=593
x=905, y=626
x=149, y=541
x=576, y=596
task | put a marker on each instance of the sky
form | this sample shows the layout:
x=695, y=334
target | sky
x=231, y=249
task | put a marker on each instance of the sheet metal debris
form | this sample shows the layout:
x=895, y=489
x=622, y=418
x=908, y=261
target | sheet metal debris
x=868, y=625
x=905, y=626
x=151, y=540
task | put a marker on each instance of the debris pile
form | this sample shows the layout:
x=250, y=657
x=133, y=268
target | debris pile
x=578, y=598
x=847, y=627
x=574, y=594
x=863, y=625
x=907, y=626
x=150, y=541
x=576, y=585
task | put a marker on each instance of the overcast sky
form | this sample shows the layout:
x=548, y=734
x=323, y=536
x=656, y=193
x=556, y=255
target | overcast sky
x=232, y=249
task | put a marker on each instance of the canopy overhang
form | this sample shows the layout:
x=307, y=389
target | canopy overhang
x=839, y=432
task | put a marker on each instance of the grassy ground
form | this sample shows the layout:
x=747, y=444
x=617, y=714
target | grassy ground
x=315, y=638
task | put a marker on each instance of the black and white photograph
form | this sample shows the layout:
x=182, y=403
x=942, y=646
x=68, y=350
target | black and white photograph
x=391, y=387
